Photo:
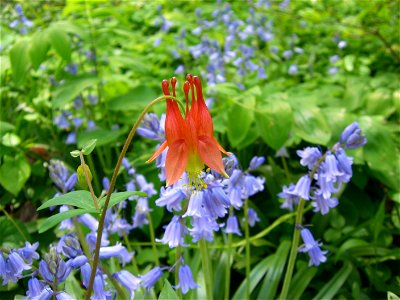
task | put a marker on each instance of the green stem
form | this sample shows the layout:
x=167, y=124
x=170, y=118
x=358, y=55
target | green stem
x=94, y=173
x=285, y=167
x=153, y=239
x=247, y=239
x=228, y=267
x=14, y=223
x=178, y=254
x=82, y=239
x=206, y=269
x=128, y=245
x=112, y=185
x=293, y=250
x=88, y=181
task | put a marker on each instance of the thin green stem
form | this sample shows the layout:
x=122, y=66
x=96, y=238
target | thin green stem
x=82, y=239
x=206, y=269
x=112, y=185
x=178, y=254
x=120, y=290
x=128, y=245
x=14, y=223
x=88, y=181
x=247, y=239
x=293, y=250
x=153, y=239
x=228, y=267
x=94, y=173
x=285, y=167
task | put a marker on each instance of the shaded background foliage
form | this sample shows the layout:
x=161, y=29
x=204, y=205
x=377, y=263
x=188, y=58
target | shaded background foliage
x=278, y=74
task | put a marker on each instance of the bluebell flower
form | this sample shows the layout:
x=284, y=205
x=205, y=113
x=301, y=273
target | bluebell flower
x=141, y=211
x=282, y=152
x=342, y=44
x=325, y=186
x=77, y=261
x=85, y=272
x=151, y=128
x=53, y=269
x=28, y=253
x=129, y=281
x=59, y=174
x=203, y=228
x=150, y=278
x=99, y=292
x=234, y=189
x=302, y=188
x=312, y=247
x=119, y=226
x=174, y=233
x=180, y=70
x=333, y=70
x=344, y=164
x=298, y=50
x=18, y=9
x=71, y=138
x=171, y=198
x=334, y=58
x=116, y=251
x=12, y=268
x=309, y=156
x=186, y=280
x=3, y=268
x=68, y=223
x=145, y=187
x=330, y=168
x=92, y=237
x=89, y=221
x=287, y=54
x=352, y=137
x=216, y=201
x=71, y=68
x=195, y=207
x=261, y=73
x=293, y=69
x=64, y=296
x=38, y=290
x=290, y=198
x=232, y=226
x=252, y=217
x=106, y=183
x=92, y=99
x=69, y=246
x=252, y=185
x=91, y=125
x=256, y=162
x=322, y=204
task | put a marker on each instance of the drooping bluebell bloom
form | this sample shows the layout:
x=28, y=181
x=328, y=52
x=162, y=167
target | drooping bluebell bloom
x=28, y=253
x=309, y=156
x=129, y=281
x=353, y=137
x=203, y=228
x=53, y=268
x=99, y=292
x=150, y=278
x=302, y=188
x=252, y=217
x=293, y=69
x=290, y=198
x=215, y=201
x=69, y=246
x=195, y=207
x=171, y=198
x=256, y=162
x=186, y=280
x=312, y=247
x=58, y=173
x=141, y=211
x=38, y=290
x=12, y=268
x=232, y=226
x=85, y=272
x=91, y=240
x=64, y=296
x=152, y=128
x=89, y=221
x=252, y=185
x=68, y=223
x=116, y=251
x=344, y=164
x=287, y=54
x=174, y=233
x=145, y=187
x=322, y=204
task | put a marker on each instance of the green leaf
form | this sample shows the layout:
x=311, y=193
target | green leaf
x=14, y=173
x=71, y=89
x=73, y=288
x=167, y=293
x=273, y=277
x=60, y=41
x=256, y=274
x=274, y=123
x=136, y=99
x=240, y=117
x=89, y=146
x=102, y=136
x=330, y=289
x=300, y=281
x=39, y=47
x=10, y=234
x=311, y=125
x=119, y=197
x=75, y=153
x=4, y=127
x=350, y=244
x=58, y=218
x=10, y=139
x=19, y=57
x=81, y=199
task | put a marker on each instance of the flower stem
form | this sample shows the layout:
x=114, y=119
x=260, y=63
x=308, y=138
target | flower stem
x=128, y=245
x=247, y=238
x=89, y=183
x=82, y=239
x=178, y=254
x=14, y=223
x=293, y=250
x=228, y=267
x=111, y=188
x=206, y=269
x=153, y=239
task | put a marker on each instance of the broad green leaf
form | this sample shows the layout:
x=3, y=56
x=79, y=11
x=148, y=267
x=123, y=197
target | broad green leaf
x=71, y=89
x=256, y=274
x=4, y=127
x=75, y=153
x=136, y=99
x=14, y=173
x=329, y=290
x=273, y=277
x=102, y=136
x=10, y=234
x=39, y=47
x=19, y=57
x=10, y=139
x=58, y=218
x=250, y=137
x=310, y=124
x=119, y=197
x=240, y=117
x=73, y=288
x=167, y=293
x=274, y=123
x=60, y=41
x=89, y=146
x=349, y=244
x=81, y=199
x=392, y=296
x=301, y=280
x=380, y=102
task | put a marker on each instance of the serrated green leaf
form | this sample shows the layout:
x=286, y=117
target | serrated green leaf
x=240, y=117
x=330, y=289
x=14, y=173
x=274, y=123
x=81, y=199
x=136, y=99
x=119, y=197
x=89, y=146
x=167, y=293
x=71, y=89
x=58, y=218
x=19, y=57
x=60, y=41
x=39, y=47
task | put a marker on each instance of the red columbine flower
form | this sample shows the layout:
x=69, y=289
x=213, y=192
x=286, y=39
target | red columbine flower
x=190, y=139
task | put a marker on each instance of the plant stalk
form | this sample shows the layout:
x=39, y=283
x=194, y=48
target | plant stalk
x=205, y=259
